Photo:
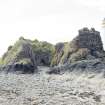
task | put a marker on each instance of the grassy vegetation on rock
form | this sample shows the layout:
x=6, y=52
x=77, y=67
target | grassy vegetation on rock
x=18, y=52
x=12, y=53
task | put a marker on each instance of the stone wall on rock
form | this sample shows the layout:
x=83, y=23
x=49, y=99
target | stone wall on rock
x=87, y=45
x=90, y=39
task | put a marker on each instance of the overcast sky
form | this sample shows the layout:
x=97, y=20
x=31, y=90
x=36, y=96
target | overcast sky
x=49, y=20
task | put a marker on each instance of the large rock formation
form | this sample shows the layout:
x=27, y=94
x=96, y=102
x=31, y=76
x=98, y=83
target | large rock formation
x=19, y=58
x=83, y=52
x=26, y=55
x=87, y=46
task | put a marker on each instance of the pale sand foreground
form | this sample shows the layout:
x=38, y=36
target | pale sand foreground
x=44, y=89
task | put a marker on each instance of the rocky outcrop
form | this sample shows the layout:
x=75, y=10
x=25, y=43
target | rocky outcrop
x=20, y=58
x=87, y=46
x=83, y=52
x=26, y=55
x=87, y=66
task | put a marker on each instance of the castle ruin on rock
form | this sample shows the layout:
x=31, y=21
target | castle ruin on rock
x=87, y=45
x=85, y=53
x=90, y=39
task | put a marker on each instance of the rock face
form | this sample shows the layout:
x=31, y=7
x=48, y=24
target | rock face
x=58, y=53
x=20, y=58
x=43, y=53
x=83, y=52
x=88, y=66
x=87, y=46
x=26, y=55
x=43, y=58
